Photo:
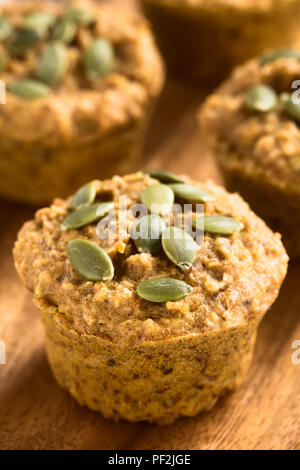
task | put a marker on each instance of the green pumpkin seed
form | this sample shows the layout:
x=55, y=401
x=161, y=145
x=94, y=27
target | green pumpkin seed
x=163, y=289
x=191, y=193
x=22, y=40
x=164, y=176
x=146, y=233
x=218, y=224
x=98, y=58
x=179, y=247
x=84, y=196
x=80, y=16
x=3, y=60
x=86, y=215
x=279, y=54
x=158, y=198
x=39, y=21
x=5, y=28
x=89, y=260
x=53, y=64
x=261, y=98
x=64, y=30
x=104, y=208
x=291, y=109
x=28, y=89
x=81, y=217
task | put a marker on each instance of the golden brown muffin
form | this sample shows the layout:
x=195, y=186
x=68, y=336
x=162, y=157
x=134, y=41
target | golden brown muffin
x=96, y=77
x=138, y=359
x=204, y=39
x=259, y=150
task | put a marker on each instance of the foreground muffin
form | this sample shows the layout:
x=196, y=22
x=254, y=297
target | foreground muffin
x=152, y=328
x=252, y=125
x=204, y=39
x=80, y=85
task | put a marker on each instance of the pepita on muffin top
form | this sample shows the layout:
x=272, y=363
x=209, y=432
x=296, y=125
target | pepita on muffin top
x=149, y=233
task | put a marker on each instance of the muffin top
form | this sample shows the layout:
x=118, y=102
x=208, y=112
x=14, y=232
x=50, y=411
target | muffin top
x=229, y=279
x=255, y=115
x=77, y=69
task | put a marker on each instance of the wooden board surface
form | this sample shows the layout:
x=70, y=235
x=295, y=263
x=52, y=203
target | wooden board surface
x=264, y=413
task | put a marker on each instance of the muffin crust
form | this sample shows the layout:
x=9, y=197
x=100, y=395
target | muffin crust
x=150, y=361
x=81, y=110
x=51, y=145
x=259, y=153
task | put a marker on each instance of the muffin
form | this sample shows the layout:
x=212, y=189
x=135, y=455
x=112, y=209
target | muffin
x=251, y=123
x=149, y=327
x=80, y=85
x=203, y=39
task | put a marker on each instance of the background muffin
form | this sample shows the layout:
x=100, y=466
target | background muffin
x=80, y=83
x=137, y=353
x=252, y=125
x=204, y=39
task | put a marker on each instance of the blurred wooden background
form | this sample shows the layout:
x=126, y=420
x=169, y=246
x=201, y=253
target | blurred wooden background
x=264, y=413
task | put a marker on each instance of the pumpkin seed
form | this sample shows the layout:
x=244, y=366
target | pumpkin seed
x=179, y=247
x=146, y=233
x=104, y=208
x=53, y=64
x=279, y=54
x=218, y=224
x=3, y=60
x=98, y=58
x=292, y=109
x=158, y=198
x=84, y=196
x=80, y=16
x=64, y=30
x=39, y=21
x=163, y=289
x=191, y=193
x=261, y=98
x=164, y=176
x=28, y=88
x=22, y=40
x=89, y=260
x=81, y=217
x=86, y=215
x=5, y=28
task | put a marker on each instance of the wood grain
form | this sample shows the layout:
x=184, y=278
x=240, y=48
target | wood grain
x=35, y=413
